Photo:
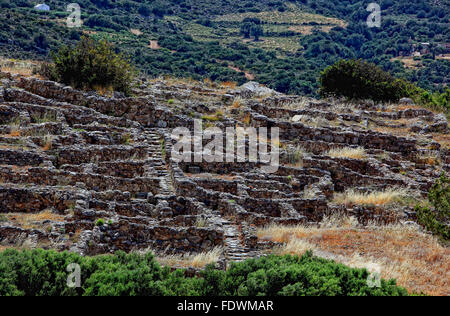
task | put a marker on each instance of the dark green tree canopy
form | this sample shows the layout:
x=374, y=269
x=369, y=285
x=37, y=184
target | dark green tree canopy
x=357, y=79
x=89, y=65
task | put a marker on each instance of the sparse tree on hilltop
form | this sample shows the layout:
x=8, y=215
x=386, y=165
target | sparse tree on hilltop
x=89, y=65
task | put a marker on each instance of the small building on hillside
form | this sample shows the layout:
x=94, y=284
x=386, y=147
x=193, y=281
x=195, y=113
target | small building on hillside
x=42, y=7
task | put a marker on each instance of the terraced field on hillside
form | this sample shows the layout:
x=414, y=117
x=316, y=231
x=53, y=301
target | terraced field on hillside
x=276, y=26
x=94, y=175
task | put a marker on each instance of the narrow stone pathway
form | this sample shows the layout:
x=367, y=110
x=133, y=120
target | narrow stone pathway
x=235, y=251
x=159, y=167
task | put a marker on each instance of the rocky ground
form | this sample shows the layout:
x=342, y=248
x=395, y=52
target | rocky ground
x=93, y=174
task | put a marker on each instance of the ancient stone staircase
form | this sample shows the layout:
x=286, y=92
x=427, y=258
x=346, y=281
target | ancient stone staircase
x=235, y=250
x=87, y=158
x=156, y=153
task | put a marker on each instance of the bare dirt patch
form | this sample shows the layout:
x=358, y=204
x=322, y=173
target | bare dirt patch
x=154, y=45
x=408, y=62
x=248, y=75
x=136, y=32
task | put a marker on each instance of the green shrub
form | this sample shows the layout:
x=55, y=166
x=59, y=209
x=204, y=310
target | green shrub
x=293, y=276
x=357, y=79
x=100, y=222
x=436, y=101
x=43, y=273
x=437, y=220
x=90, y=65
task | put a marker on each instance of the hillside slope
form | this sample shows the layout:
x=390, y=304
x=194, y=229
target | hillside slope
x=94, y=175
x=201, y=39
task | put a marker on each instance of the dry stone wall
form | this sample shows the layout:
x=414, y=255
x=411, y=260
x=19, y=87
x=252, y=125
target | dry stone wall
x=94, y=175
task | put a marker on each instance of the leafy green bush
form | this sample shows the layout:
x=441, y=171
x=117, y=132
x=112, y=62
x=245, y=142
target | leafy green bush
x=357, y=79
x=436, y=101
x=252, y=27
x=43, y=273
x=100, y=222
x=285, y=70
x=90, y=65
x=437, y=220
x=293, y=276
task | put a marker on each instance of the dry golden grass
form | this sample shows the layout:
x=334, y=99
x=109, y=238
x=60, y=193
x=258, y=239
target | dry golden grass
x=429, y=159
x=274, y=143
x=348, y=152
x=198, y=261
x=203, y=259
x=15, y=133
x=317, y=121
x=26, y=72
x=15, y=147
x=247, y=119
x=20, y=168
x=48, y=140
x=444, y=57
x=415, y=259
x=301, y=104
x=309, y=193
x=338, y=220
x=395, y=107
x=401, y=131
x=378, y=198
x=89, y=32
x=3, y=248
x=215, y=117
x=298, y=164
x=105, y=91
x=294, y=247
x=15, y=130
x=229, y=84
x=283, y=234
x=34, y=220
x=211, y=176
x=237, y=103
x=443, y=139
x=24, y=68
x=76, y=236
x=208, y=82
x=294, y=157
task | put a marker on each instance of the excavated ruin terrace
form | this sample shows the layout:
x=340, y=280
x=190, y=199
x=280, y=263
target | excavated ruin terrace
x=94, y=174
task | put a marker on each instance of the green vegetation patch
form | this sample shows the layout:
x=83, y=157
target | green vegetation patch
x=436, y=219
x=293, y=16
x=300, y=38
x=43, y=273
x=356, y=79
x=90, y=64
